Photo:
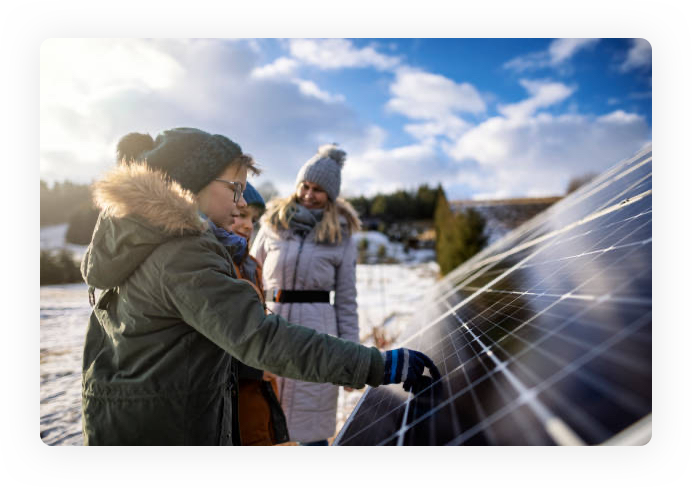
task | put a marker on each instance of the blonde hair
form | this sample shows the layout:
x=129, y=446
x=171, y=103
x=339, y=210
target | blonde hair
x=328, y=230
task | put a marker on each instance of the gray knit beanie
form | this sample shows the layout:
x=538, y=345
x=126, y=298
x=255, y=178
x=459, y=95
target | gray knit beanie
x=324, y=169
x=191, y=157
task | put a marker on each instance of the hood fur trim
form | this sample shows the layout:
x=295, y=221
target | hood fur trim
x=138, y=190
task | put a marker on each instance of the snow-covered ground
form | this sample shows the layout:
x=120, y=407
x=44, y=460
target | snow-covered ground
x=388, y=294
x=394, y=250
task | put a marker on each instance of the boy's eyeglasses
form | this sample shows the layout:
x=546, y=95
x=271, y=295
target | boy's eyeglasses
x=236, y=186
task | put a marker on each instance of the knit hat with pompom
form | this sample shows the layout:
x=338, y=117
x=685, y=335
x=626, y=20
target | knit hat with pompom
x=324, y=169
x=191, y=157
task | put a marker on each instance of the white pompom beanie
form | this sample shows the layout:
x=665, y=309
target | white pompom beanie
x=324, y=169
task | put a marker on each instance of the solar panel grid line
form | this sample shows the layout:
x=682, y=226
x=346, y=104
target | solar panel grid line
x=593, y=252
x=597, y=351
x=615, y=357
x=485, y=349
x=607, y=178
x=350, y=418
x=559, y=297
x=467, y=280
x=586, y=254
x=566, y=228
x=603, y=201
x=402, y=429
x=557, y=207
x=550, y=338
x=557, y=426
x=561, y=434
x=625, y=398
x=627, y=402
x=554, y=426
x=477, y=403
x=446, y=403
x=526, y=245
x=560, y=242
x=462, y=303
x=601, y=185
x=615, y=299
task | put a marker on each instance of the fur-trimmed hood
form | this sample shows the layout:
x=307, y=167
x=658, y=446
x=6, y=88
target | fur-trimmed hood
x=140, y=210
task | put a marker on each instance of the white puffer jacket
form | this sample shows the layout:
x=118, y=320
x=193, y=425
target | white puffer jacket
x=292, y=263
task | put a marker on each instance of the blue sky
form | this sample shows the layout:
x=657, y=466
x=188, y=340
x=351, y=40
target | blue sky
x=485, y=117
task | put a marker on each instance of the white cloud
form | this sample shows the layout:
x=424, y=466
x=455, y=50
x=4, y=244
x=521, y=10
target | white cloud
x=543, y=94
x=538, y=155
x=280, y=116
x=78, y=72
x=450, y=127
x=638, y=56
x=422, y=95
x=524, y=151
x=339, y=53
x=149, y=86
x=620, y=117
x=280, y=67
x=376, y=169
x=310, y=89
x=284, y=69
x=559, y=52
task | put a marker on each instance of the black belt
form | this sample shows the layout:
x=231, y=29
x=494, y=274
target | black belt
x=297, y=296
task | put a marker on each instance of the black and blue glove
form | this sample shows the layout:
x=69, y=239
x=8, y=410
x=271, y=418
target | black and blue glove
x=407, y=365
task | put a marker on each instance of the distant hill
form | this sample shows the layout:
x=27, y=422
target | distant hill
x=503, y=215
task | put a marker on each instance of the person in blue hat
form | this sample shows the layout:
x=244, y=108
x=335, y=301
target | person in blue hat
x=245, y=223
x=261, y=419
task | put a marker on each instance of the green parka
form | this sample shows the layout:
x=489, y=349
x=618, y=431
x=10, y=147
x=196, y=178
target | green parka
x=157, y=364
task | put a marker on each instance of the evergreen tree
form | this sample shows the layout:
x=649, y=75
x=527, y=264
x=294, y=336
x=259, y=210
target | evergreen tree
x=426, y=199
x=379, y=208
x=401, y=205
x=457, y=236
x=361, y=205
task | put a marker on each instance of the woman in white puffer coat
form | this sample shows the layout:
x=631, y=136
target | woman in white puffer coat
x=306, y=249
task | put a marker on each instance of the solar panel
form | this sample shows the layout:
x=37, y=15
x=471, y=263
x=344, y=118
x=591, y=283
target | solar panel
x=543, y=338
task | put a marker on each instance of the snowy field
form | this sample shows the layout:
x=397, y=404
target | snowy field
x=388, y=294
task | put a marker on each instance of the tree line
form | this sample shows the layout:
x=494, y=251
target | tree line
x=458, y=235
x=71, y=203
x=401, y=205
